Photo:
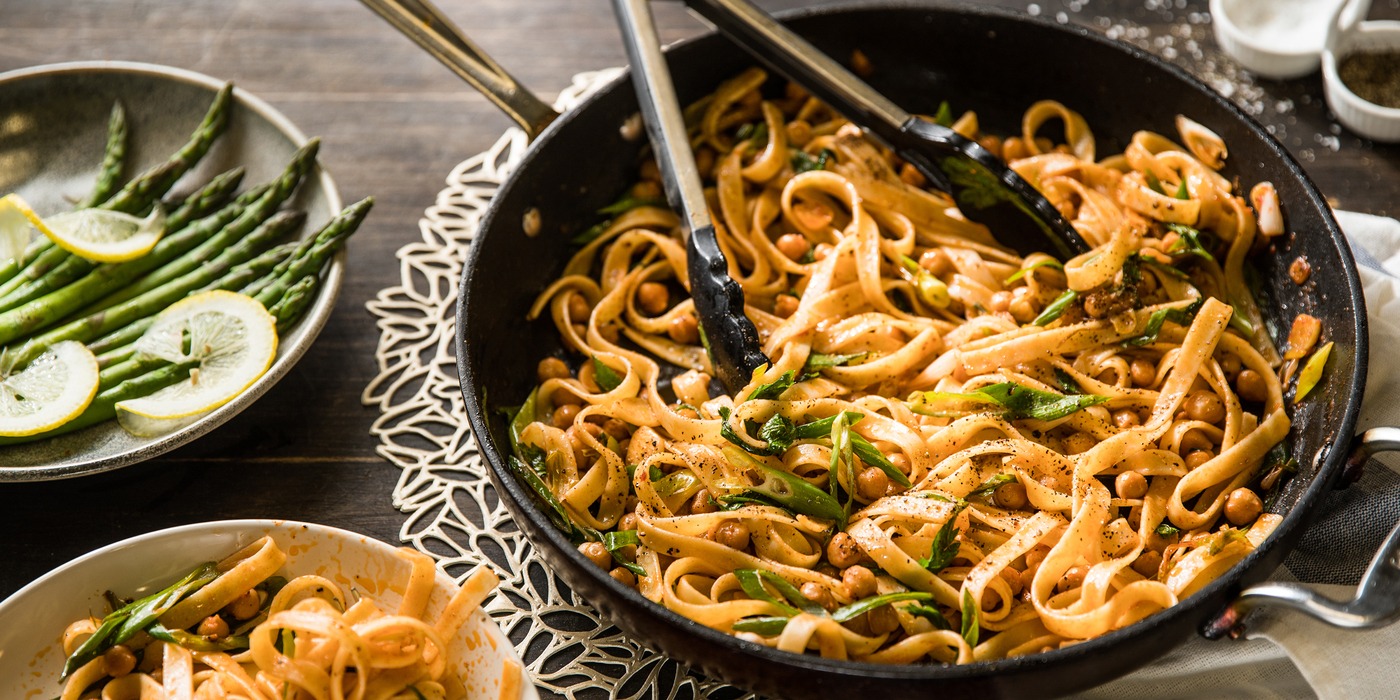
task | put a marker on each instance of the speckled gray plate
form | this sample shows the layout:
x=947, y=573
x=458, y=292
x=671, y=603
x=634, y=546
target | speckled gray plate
x=53, y=124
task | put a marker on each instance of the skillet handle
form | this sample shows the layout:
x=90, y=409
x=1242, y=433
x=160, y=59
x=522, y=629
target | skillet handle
x=1377, y=600
x=425, y=24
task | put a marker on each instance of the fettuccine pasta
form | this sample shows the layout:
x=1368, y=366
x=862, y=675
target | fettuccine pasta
x=957, y=454
x=234, y=629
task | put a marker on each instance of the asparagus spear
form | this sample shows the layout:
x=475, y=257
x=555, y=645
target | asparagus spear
x=109, y=277
x=331, y=236
x=112, y=160
x=165, y=274
x=154, y=301
x=293, y=304
x=104, y=405
x=117, y=345
x=54, y=267
x=154, y=183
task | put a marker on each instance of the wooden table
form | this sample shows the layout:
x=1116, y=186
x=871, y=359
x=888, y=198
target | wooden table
x=394, y=122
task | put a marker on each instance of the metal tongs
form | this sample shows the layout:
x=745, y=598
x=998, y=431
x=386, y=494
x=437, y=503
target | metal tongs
x=985, y=189
x=719, y=301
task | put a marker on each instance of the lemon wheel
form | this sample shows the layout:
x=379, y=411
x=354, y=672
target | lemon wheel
x=52, y=390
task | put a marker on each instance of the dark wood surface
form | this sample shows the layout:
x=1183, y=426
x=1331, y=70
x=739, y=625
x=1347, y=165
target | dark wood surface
x=394, y=122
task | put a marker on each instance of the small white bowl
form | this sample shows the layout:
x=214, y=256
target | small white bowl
x=1277, y=55
x=33, y=619
x=1348, y=35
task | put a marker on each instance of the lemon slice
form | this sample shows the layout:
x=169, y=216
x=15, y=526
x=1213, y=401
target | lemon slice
x=232, y=337
x=15, y=221
x=96, y=234
x=51, y=391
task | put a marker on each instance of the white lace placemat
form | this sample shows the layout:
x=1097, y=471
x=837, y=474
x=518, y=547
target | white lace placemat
x=453, y=511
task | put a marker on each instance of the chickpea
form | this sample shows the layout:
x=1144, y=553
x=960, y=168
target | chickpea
x=843, y=551
x=1079, y=443
x=793, y=245
x=705, y=161
x=649, y=170
x=703, y=503
x=118, y=661
x=991, y=600
x=653, y=297
x=562, y=396
x=859, y=582
x=1013, y=579
x=1011, y=496
x=564, y=416
x=732, y=534
x=617, y=429
x=1143, y=371
x=1054, y=483
x=1001, y=301
x=579, y=308
x=552, y=368
x=1205, y=406
x=1074, y=578
x=647, y=189
x=1130, y=485
x=799, y=133
x=1148, y=563
x=1126, y=418
x=818, y=594
x=1013, y=149
x=871, y=483
x=244, y=607
x=624, y=577
x=1195, y=440
x=1023, y=306
x=684, y=329
x=882, y=620
x=609, y=332
x=213, y=627
x=936, y=262
x=581, y=331
x=1251, y=386
x=793, y=91
x=1230, y=364
x=822, y=250
x=911, y=176
x=597, y=553
x=1036, y=555
x=1196, y=458
x=1243, y=507
x=785, y=306
x=592, y=428
x=899, y=461
x=1158, y=543
x=991, y=143
x=628, y=522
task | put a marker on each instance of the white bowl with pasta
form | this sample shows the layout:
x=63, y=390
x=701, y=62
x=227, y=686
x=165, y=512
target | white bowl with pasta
x=33, y=620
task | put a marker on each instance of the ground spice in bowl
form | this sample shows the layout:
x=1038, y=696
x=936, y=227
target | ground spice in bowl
x=1374, y=77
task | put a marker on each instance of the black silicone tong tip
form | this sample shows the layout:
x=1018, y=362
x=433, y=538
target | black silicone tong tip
x=729, y=335
x=985, y=189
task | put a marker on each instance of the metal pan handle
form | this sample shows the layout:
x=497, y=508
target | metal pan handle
x=1377, y=600
x=420, y=21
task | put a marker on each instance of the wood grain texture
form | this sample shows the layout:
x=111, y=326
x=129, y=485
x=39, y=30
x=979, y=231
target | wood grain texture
x=393, y=124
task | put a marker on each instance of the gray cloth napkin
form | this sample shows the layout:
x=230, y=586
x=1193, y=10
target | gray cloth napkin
x=1286, y=654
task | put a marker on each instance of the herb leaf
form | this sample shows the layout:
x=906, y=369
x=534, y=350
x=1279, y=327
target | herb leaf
x=1025, y=402
x=778, y=433
x=992, y=484
x=604, y=375
x=629, y=203
x=1066, y=382
x=1182, y=317
x=1189, y=241
x=592, y=233
x=971, y=619
x=1026, y=270
x=752, y=580
x=849, y=612
x=763, y=626
x=1153, y=182
x=945, y=543
x=774, y=389
x=802, y=163
x=615, y=541
x=944, y=115
x=868, y=454
x=789, y=491
x=817, y=362
x=1056, y=308
x=1182, y=192
x=822, y=428
x=931, y=614
x=1166, y=530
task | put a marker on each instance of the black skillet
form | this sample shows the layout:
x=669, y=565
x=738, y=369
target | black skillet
x=997, y=63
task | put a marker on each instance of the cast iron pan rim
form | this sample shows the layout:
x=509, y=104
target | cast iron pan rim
x=1297, y=516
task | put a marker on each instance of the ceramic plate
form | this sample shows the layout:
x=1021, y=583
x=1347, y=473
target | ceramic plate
x=32, y=620
x=53, y=125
